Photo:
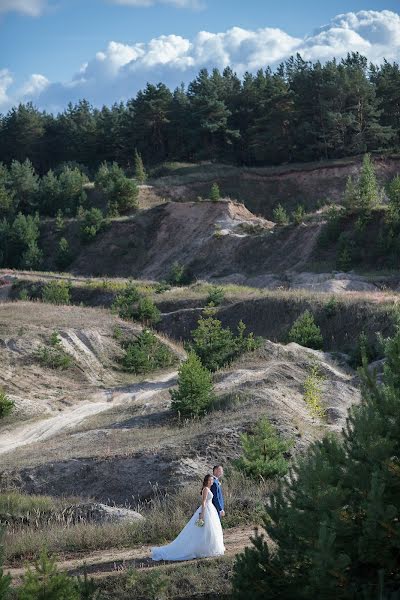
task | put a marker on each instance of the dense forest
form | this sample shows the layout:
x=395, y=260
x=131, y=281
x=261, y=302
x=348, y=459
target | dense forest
x=302, y=111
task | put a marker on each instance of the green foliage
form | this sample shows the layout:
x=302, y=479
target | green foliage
x=263, y=452
x=280, y=215
x=194, y=394
x=6, y=201
x=18, y=242
x=125, y=303
x=45, y=582
x=140, y=173
x=50, y=194
x=147, y=312
x=152, y=585
x=53, y=356
x=217, y=346
x=332, y=229
x=363, y=349
x=313, y=391
x=215, y=194
x=57, y=292
x=362, y=194
x=298, y=215
x=91, y=224
x=87, y=588
x=146, y=354
x=6, y=404
x=393, y=193
x=72, y=193
x=24, y=182
x=60, y=222
x=331, y=307
x=216, y=296
x=121, y=193
x=351, y=199
x=178, y=275
x=63, y=256
x=334, y=525
x=306, y=332
x=344, y=259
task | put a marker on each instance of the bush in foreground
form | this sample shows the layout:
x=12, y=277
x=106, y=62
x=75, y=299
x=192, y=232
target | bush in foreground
x=194, y=394
x=335, y=524
x=146, y=354
x=57, y=292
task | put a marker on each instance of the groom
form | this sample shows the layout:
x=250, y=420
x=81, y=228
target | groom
x=218, y=497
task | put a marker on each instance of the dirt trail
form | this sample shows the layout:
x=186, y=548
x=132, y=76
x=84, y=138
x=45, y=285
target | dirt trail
x=103, y=563
x=101, y=401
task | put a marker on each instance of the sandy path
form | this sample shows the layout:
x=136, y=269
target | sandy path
x=102, y=563
x=44, y=429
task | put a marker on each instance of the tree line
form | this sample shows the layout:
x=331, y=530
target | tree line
x=302, y=111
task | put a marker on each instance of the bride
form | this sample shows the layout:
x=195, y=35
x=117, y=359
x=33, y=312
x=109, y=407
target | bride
x=196, y=541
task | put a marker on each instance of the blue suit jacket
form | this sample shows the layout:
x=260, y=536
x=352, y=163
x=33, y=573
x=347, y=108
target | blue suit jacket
x=218, y=497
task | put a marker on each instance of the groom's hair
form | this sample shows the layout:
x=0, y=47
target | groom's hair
x=216, y=467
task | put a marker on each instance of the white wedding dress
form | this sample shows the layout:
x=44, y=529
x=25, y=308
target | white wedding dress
x=193, y=541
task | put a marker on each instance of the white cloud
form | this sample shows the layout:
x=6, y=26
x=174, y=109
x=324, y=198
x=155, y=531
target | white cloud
x=5, y=82
x=32, y=8
x=120, y=70
x=35, y=85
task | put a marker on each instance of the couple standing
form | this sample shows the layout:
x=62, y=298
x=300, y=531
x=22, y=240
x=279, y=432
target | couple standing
x=202, y=536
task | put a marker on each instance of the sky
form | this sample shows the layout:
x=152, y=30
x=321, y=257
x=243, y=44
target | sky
x=56, y=51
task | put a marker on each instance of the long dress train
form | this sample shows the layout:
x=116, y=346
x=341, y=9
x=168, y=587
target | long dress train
x=193, y=541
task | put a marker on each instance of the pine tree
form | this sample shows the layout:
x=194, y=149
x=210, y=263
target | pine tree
x=348, y=489
x=194, y=394
x=351, y=198
x=263, y=452
x=63, y=256
x=215, y=194
x=140, y=173
x=45, y=582
x=280, y=215
x=306, y=332
x=368, y=190
x=60, y=223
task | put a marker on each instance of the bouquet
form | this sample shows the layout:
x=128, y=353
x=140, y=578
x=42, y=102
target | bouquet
x=199, y=522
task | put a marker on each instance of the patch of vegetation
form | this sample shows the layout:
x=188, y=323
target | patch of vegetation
x=216, y=296
x=264, y=452
x=333, y=524
x=140, y=172
x=125, y=302
x=280, y=215
x=147, y=312
x=217, y=346
x=152, y=585
x=363, y=348
x=215, y=193
x=313, y=392
x=298, y=214
x=146, y=354
x=332, y=307
x=121, y=193
x=54, y=356
x=5, y=580
x=91, y=223
x=306, y=332
x=63, y=256
x=195, y=394
x=6, y=404
x=57, y=292
x=179, y=275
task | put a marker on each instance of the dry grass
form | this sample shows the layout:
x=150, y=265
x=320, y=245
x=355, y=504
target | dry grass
x=165, y=515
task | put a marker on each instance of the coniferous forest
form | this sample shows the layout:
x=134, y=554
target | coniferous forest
x=302, y=111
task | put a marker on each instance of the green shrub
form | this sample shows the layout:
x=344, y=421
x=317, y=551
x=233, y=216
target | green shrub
x=298, y=214
x=331, y=307
x=6, y=404
x=140, y=173
x=215, y=194
x=57, y=292
x=306, y=332
x=313, y=391
x=125, y=302
x=280, y=215
x=147, y=312
x=332, y=229
x=121, y=193
x=151, y=584
x=178, y=275
x=216, y=296
x=63, y=256
x=23, y=295
x=363, y=348
x=217, y=346
x=60, y=222
x=194, y=395
x=146, y=354
x=91, y=224
x=263, y=452
x=45, y=582
x=53, y=356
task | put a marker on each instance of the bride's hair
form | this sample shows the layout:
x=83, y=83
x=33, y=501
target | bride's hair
x=205, y=481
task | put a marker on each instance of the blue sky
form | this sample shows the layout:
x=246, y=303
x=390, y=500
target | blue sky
x=45, y=43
